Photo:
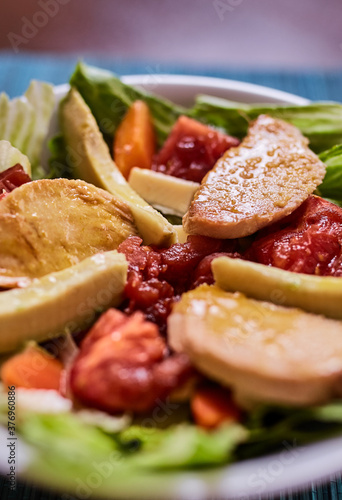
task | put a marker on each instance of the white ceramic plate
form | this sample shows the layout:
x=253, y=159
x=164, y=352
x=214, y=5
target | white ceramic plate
x=292, y=467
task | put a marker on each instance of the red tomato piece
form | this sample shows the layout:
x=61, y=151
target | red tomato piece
x=307, y=241
x=191, y=150
x=12, y=178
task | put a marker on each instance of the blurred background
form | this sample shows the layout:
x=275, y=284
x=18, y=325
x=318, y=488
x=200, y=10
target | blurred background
x=220, y=37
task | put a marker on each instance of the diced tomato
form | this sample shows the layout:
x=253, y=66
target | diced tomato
x=213, y=406
x=307, y=241
x=134, y=142
x=156, y=277
x=191, y=150
x=32, y=368
x=12, y=178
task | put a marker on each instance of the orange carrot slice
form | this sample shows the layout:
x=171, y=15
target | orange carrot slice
x=213, y=406
x=33, y=368
x=134, y=142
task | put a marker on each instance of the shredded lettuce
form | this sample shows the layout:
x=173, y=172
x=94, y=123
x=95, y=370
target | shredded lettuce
x=320, y=122
x=25, y=122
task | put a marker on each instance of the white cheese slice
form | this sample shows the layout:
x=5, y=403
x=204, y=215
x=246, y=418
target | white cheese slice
x=168, y=194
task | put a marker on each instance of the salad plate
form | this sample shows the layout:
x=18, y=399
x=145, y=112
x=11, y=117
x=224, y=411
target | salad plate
x=293, y=466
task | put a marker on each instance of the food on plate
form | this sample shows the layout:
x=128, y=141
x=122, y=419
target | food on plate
x=123, y=365
x=320, y=295
x=49, y=225
x=166, y=193
x=191, y=150
x=135, y=143
x=263, y=352
x=91, y=161
x=264, y=179
x=62, y=302
x=121, y=321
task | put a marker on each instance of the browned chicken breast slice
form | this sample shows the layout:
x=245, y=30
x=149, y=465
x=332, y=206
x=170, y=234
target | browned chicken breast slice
x=261, y=181
x=49, y=225
x=264, y=352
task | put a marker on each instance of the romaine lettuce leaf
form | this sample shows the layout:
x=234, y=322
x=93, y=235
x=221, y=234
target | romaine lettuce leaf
x=10, y=156
x=271, y=426
x=320, y=122
x=65, y=451
x=181, y=446
x=24, y=122
x=331, y=187
x=109, y=98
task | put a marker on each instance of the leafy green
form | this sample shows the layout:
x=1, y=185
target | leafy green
x=25, y=122
x=181, y=446
x=10, y=156
x=66, y=437
x=58, y=161
x=320, y=122
x=66, y=452
x=270, y=427
x=173, y=219
x=331, y=186
x=109, y=98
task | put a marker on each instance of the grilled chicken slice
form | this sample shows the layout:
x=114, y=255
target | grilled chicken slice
x=49, y=225
x=261, y=181
x=264, y=352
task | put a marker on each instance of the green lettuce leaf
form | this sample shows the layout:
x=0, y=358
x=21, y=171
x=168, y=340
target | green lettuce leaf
x=10, y=156
x=109, y=98
x=331, y=187
x=181, y=446
x=25, y=122
x=271, y=426
x=320, y=122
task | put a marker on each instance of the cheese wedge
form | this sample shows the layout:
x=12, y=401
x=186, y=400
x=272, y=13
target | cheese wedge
x=261, y=181
x=166, y=193
x=264, y=352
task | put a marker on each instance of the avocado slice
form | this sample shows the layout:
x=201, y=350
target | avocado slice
x=317, y=294
x=61, y=302
x=91, y=161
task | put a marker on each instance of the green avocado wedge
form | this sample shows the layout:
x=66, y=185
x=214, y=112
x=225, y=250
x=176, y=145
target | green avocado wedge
x=65, y=301
x=317, y=294
x=90, y=160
